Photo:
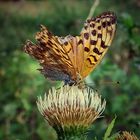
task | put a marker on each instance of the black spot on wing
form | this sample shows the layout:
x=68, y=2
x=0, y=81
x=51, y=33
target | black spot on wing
x=92, y=25
x=88, y=59
x=113, y=20
x=94, y=57
x=66, y=43
x=108, y=23
x=104, y=24
x=97, y=51
x=86, y=27
x=86, y=49
x=69, y=50
x=80, y=42
x=99, y=35
x=86, y=36
x=103, y=44
x=93, y=42
x=93, y=32
x=99, y=27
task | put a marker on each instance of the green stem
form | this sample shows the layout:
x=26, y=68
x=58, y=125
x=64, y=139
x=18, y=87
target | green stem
x=72, y=138
x=95, y=4
x=71, y=133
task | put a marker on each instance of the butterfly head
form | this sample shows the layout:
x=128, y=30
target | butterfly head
x=69, y=81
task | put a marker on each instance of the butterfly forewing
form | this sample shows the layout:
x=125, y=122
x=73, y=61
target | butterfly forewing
x=100, y=32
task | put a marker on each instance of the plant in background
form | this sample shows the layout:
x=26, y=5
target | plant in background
x=127, y=136
x=71, y=111
x=118, y=136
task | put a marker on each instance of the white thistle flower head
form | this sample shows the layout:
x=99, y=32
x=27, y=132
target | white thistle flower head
x=71, y=107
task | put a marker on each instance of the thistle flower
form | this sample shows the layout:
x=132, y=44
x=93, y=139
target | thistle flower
x=127, y=136
x=70, y=110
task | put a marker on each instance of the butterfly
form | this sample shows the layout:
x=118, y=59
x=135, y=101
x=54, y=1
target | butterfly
x=72, y=58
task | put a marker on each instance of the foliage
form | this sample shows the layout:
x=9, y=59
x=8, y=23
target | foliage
x=109, y=130
x=21, y=83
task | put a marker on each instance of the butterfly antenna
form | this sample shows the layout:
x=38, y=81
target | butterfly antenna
x=111, y=83
x=105, y=83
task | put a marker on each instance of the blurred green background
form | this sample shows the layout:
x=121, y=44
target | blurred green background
x=21, y=83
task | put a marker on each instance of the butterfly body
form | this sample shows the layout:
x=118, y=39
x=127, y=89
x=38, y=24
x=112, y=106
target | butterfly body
x=71, y=59
x=57, y=75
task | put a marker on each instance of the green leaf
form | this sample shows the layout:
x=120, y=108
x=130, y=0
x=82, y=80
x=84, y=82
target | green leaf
x=114, y=136
x=109, y=129
x=95, y=138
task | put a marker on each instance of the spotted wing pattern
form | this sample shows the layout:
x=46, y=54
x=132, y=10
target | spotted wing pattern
x=93, y=42
x=97, y=35
x=68, y=58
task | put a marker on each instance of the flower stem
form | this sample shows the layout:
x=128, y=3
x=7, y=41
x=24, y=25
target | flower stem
x=72, y=133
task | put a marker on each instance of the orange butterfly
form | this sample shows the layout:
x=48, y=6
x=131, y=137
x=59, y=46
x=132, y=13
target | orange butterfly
x=70, y=58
